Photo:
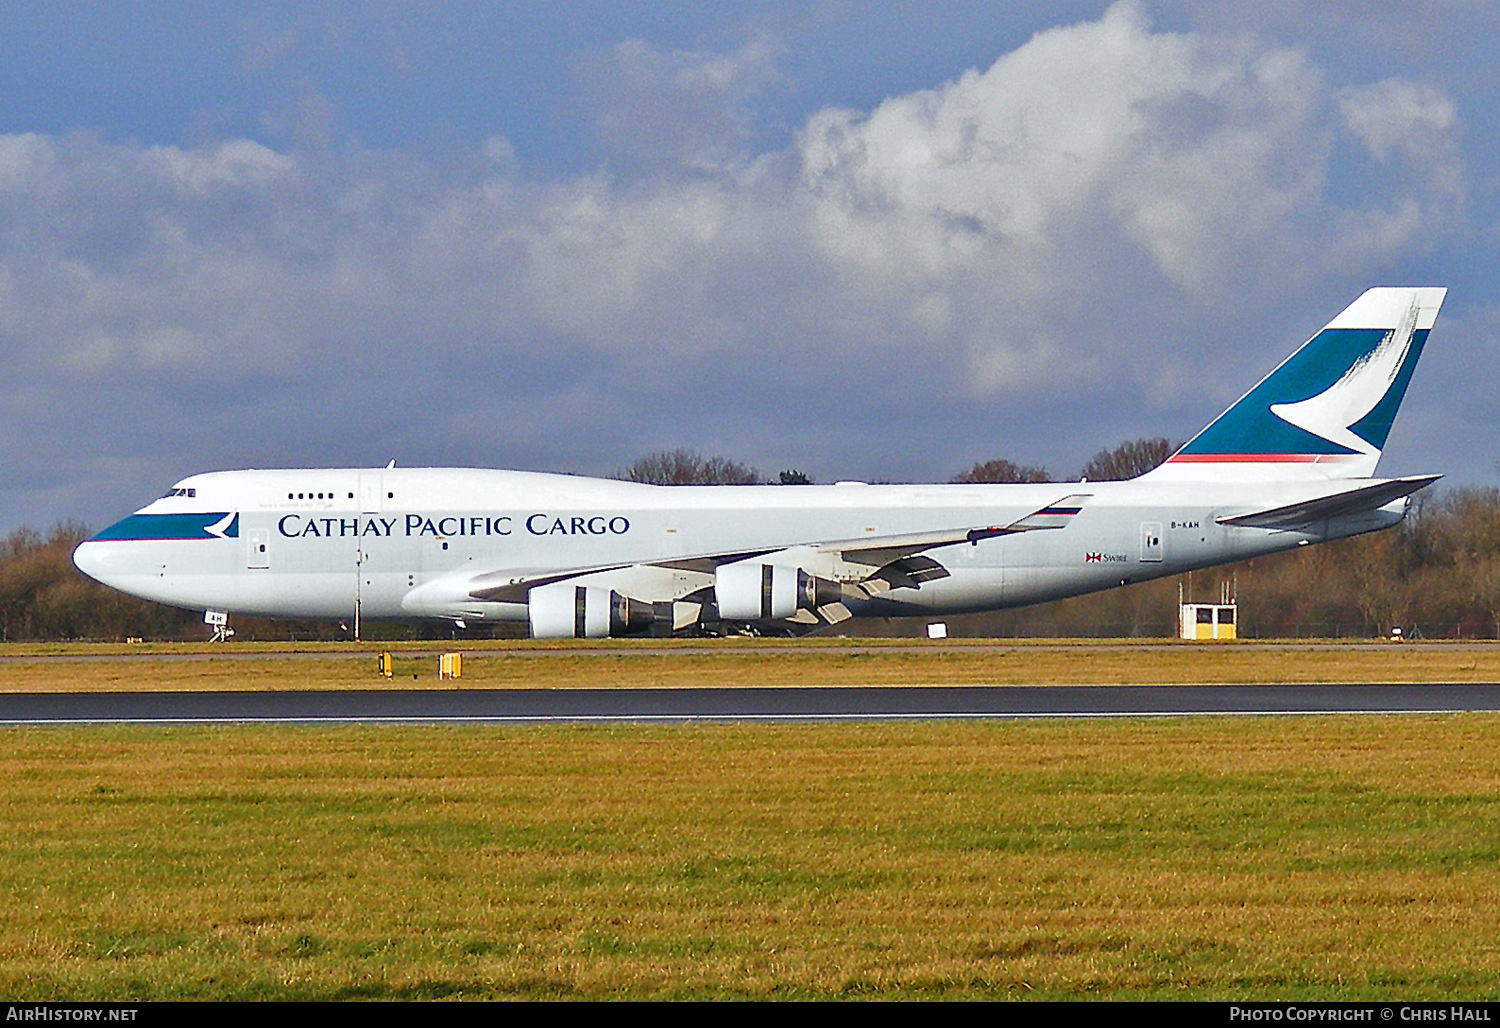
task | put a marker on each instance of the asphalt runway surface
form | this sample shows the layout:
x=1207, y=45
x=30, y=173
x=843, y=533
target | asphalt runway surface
x=733, y=704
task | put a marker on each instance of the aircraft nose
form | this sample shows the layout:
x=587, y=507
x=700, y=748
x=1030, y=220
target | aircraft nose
x=95, y=559
x=89, y=559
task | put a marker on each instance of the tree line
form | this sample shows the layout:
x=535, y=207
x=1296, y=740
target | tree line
x=1127, y=460
x=688, y=467
x=1436, y=575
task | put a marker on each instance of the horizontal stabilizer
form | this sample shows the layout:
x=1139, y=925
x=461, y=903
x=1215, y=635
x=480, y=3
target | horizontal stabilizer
x=1351, y=501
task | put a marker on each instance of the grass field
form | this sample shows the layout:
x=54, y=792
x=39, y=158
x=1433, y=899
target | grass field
x=1198, y=858
x=740, y=662
x=1308, y=858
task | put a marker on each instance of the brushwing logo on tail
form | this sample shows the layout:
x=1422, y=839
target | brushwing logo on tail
x=1326, y=411
x=1334, y=412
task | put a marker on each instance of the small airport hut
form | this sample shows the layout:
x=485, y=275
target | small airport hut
x=1208, y=620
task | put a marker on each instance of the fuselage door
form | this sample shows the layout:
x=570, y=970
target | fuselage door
x=258, y=548
x=1151, y=542
x=370, y=496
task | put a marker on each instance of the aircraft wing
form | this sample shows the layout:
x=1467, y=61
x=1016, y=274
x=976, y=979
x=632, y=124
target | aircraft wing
x=877, y=551
x=512, y=587
x=897, y=560
x=1350, y=501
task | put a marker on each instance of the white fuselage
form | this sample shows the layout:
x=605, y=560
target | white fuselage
x=436, y=542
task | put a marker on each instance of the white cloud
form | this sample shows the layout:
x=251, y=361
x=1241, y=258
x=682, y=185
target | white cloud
x=660, y=112
x=1195, y=149
x=1398, y=115
x=234, y=165
x=1413, y=121
x=1081, y=219
x=25, y=160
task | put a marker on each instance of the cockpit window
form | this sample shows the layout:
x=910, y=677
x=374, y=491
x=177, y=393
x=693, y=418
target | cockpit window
x=179, y=491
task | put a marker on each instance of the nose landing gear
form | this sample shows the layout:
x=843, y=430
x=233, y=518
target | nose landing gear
x=219, y=619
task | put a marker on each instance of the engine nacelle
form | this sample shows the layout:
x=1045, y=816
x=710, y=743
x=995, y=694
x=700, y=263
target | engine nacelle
x=563, y=610
x=753, y=591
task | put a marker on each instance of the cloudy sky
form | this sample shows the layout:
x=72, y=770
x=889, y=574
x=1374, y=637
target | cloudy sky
x=877, y=240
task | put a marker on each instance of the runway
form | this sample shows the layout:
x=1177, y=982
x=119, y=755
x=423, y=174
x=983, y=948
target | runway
x=518, y=706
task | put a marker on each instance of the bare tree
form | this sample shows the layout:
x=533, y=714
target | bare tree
x=685, y=467
x=43, y=596
x=1001, y=471
x=1128, y=460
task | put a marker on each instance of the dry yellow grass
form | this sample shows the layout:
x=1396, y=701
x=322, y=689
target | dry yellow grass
x=1328, y=858
x=1306, y=858
x=742, y=662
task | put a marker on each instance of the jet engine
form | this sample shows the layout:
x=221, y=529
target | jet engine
x=563, y=610
x=753, y=591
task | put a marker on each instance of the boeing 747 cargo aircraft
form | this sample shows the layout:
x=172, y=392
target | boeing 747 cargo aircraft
x=1291, y=463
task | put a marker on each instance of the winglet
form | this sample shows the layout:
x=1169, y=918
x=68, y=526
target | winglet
x=1054, y=515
